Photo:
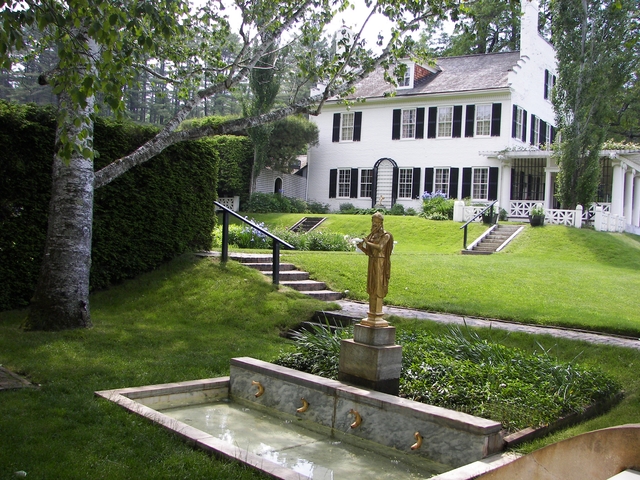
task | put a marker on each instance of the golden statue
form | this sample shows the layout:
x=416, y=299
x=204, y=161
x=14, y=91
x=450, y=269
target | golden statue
x=378, y=245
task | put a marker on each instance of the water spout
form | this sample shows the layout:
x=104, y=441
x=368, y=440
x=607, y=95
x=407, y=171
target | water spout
x=418, y=443
x=260, y=388
x=358, y=420
x=304, y=406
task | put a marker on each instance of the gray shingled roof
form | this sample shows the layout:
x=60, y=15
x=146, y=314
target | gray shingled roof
x=457, y=74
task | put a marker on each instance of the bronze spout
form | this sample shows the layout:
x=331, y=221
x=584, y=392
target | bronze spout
x=304, y=406
x=260, y=388
x=418, y=443
x=358, y=420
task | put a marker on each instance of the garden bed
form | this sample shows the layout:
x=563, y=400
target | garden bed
x=461, y=371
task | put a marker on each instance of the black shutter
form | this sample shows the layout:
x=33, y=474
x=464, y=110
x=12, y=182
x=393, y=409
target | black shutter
x=397, y=117
x=546, y=84
x=524, y=125
x=470, y=121
x=333, y=182
x=420, y=122
x=453, y=182
x=354, y=183
x=543, y=133
x=553, y=134
x=432, y=122
x=357, y=126
x=428, y=180
x=493, y=183
x=336, y=128
x=457, y=121
x=415, y=188
x=496, y=114
x=466, y=182
x=513, y=121
x=531, y=133
x=394, y=185
x=374, y=187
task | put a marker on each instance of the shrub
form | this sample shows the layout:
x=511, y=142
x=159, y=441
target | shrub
x=317, y=207
x=274, y=203
x=397, y=209
x=347, y=208
x=436, y=206
x=504, y=216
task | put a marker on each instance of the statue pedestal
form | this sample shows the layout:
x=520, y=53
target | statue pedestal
x=372, y=359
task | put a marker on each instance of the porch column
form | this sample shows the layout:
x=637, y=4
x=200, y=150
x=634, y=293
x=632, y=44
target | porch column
x=505, y=186
x=636, y=201
x=617, y=190
x=548, y=189
x=628, y=195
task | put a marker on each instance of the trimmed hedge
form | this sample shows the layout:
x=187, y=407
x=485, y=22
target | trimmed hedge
x=151, y=214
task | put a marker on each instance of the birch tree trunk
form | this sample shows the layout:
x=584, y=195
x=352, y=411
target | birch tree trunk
x=61, y=299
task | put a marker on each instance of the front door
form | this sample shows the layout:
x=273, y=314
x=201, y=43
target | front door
x=384, y=183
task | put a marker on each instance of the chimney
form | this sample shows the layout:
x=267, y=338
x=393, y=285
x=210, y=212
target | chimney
x=529, y=27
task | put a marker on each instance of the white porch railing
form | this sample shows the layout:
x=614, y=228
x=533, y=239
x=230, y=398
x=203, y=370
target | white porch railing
x=569, y=218
x=606, y=222
x=521, y=208
x=472, y=211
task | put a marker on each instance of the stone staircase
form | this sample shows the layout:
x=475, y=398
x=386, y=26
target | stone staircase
x=307, y=224
x=497, y=237
x=289, y=275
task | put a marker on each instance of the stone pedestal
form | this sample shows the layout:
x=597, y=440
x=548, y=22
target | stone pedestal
x=372, y=359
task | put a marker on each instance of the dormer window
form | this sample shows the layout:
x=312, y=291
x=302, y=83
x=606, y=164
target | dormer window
x=406, y=80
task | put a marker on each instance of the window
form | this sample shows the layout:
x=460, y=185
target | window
x=344, y=182
x=445, y=122
x=518, y=122
x=346, y=127
x=480, y=184
x=409, y=123
x=549, y=135
x=405, y=183
x=441, y=183
x=483, y=120
x=366, y=181
x=405, y=81
x=535, y=130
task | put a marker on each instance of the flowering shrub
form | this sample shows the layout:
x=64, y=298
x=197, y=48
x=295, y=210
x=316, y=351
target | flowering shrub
x=436, y=206
x=245, y=236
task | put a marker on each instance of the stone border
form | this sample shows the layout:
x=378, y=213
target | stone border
x=13, y=381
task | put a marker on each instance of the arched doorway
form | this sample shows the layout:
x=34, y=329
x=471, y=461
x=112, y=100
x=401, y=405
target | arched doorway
x=385, y=172
x=277, y=189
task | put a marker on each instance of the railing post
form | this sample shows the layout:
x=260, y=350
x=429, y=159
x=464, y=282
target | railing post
x=577, y=221
x=465, y=237
x=225, y=235
x=276, y=262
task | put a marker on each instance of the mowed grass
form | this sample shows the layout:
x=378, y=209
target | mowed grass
x=552, y=275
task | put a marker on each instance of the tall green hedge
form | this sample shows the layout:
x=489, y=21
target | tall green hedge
x=147, y=216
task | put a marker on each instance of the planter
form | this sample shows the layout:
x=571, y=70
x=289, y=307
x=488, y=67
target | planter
x=490, y=219
x=536, y=220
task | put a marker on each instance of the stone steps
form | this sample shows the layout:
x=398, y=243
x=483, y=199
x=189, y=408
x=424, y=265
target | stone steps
x=289, y=276
x=493, y=241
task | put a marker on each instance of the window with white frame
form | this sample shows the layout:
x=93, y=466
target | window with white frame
x=405, y=81
x=535, y=137
x=483, y=120
x=366, y=181
x=405, y=182
x=347, y=121
x=480, y=184
x=445, y=122
x=548, y=137
x=441, y=181
x=344, y=182
x=408, y=123
x=519, y=122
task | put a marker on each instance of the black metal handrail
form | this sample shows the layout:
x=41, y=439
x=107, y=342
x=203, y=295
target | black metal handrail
x=276, y=241
x=481, y=213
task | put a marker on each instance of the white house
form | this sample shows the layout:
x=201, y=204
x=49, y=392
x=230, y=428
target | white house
x=475, y=126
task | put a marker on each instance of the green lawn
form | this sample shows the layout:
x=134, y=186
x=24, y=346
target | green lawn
x=552, y=275
x=187, y=319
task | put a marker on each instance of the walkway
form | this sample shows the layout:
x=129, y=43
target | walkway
x=359, y=310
